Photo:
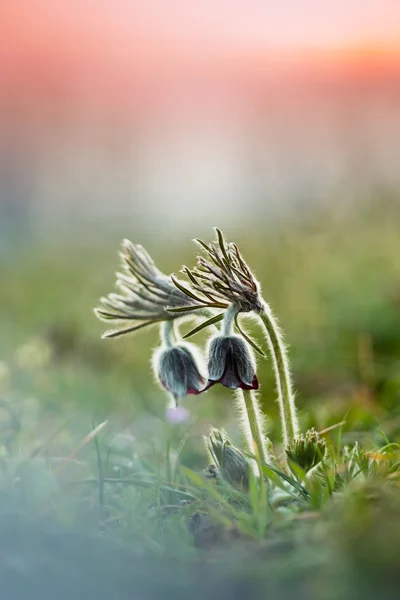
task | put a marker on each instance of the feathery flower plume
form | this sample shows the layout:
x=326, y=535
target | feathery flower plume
x=145, y=293
x=223, y=278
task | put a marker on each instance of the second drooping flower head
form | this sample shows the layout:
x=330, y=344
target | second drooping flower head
x=231, y=362
x=145, y=292
x=180, y=370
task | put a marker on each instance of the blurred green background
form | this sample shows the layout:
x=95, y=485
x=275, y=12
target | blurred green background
x=331, y=275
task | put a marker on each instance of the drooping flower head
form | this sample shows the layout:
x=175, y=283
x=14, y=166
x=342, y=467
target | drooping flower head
x=231, y=363
x=180, y=370
x=145, y=293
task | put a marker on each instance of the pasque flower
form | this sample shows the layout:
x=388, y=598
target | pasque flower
x=227, y=461
x=145, y=293
x=231, y=362
x=223, y=280
x=179, y=370
x=307, y=450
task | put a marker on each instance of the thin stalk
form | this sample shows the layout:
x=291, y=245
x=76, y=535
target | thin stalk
x=167, y=333
x=252, y=423
x=244, y=422
x=251, y=419
x=282, y=374
x=229, y=320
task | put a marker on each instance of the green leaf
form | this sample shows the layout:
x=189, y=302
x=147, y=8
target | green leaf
x=202, y=244
x=301, y=489
x=248, y=339
x=297, y=470
x=189, y=274
x=276, y=480
x=185, y=290
x=212, y=321
x=118, y=332
x=221, y=243
x=100, y=313
x=184, y=309
x=254, y=492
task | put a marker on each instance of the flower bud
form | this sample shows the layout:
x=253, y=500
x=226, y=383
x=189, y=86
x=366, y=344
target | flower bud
x=231, y=362
x=179, y=370
x=307, y=450
x=229, y=462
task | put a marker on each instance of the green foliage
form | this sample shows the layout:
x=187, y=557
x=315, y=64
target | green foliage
x=229, y=462
x=307, y=450
x=329, y=528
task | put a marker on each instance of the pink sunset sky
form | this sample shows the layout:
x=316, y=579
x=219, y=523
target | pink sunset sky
x=245, y=24
x=151, y=33
x=125, y=53
x=197, y=99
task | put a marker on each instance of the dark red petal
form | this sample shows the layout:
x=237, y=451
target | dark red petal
x=230, y=379
x=254, y=384
x=209, y=384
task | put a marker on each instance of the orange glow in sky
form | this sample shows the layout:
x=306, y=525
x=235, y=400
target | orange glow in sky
x=82, y=41
x=128, y=27
x=202, y=93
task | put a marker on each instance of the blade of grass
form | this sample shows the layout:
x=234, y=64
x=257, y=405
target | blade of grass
x=86, y=440
x=99, y=469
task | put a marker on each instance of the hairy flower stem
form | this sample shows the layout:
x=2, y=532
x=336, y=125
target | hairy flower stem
x=244, y=422
x=251, y=419
x=282, y=374
x=256, y=423
x=229, y=320
x=168, y=334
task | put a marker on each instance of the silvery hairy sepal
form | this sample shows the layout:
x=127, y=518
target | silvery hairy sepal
x=179, y=370
x=231, y=362
x=229, y=463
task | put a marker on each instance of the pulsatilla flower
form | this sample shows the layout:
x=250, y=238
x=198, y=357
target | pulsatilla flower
x=228, y=462
x=145, y=292
x=307, y=450
x=222, y=278
x=179, y=369
x=230, y=362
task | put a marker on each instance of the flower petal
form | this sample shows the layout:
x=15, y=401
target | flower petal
x=209, y=384
x=172, y=372
x=254, y=385
x=179, y=370
x=217, y=353
x=244, y=361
